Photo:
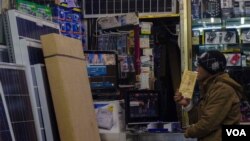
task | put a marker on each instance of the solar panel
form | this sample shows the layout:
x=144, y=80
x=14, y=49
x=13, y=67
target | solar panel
x=22, y=26
x=4, y=56
x=35, y=55
x=32, y=57
x=31, y=29
x=46, y=106
x=24, y=32
x=24, y=41
x=18, y=102
x=103, y=8
x=5, y=133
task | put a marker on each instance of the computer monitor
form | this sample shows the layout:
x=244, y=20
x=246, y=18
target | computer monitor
x=102, y=71
x=142, y=106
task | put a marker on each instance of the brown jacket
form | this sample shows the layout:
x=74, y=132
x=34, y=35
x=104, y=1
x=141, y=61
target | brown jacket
x=219, y=105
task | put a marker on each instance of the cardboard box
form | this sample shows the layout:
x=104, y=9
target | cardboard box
x=70, y=88
x=110, y=116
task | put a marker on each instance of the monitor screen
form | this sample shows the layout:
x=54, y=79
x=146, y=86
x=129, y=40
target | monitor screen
x=102, y=70
x=142, y=106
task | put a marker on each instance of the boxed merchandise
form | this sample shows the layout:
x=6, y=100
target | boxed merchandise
x=220, y=37
x=144, y=41
x=34, y=9
x=70, y=89
x=227, y=9
x=69, y=21
x=26, y=7
x=228, y=37
x=212, y=37
x=146, y=28
x=58, y=14
x=196, y=9
x=196, y=37
x=233, y=59
x=43, y=12
x=247, y=7
x=110, y=116
x=147, y=52
x=211, y=9
x=239, y=8
x=245, y=35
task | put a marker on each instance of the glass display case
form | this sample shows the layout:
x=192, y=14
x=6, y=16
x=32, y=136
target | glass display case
x=224, y=25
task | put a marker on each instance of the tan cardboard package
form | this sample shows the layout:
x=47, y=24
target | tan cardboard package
x=70, y=88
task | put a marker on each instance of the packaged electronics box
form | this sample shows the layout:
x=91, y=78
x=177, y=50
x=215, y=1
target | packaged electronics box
x=110, y=116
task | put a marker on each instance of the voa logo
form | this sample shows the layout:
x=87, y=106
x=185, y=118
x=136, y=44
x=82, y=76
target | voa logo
x=236, y=132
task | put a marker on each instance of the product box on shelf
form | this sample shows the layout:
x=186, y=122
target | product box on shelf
x=26, y=7
x=220, y=37
x=233, y=59
x=245, y=35
x=211, y=9
x=69, y=21
x=196, y=9
x=34, y=9
x=247, y=7
x=227, y=9
x=43, y=12
x=239, y=8
x=196, y=37
x=110, y=116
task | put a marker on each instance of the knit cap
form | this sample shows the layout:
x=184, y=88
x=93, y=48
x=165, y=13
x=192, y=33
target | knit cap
x=212, y=61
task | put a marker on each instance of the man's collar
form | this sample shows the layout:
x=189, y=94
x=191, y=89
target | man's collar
x=211, y=78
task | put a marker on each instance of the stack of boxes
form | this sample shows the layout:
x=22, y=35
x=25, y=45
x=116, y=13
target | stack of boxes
x=69, y=21
x=147, y=62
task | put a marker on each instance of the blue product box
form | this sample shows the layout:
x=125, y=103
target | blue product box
x=62, y=27
x=97, y=70
x=58, y=14
x=68, y=27
x=68, y=15
x=76, y=17
x=76, y=27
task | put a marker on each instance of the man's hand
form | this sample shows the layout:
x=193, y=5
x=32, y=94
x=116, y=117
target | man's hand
x=178, y=98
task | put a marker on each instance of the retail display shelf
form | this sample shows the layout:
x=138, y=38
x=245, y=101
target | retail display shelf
x=218, y=23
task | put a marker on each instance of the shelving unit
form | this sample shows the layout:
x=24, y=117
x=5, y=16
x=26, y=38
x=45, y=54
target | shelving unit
x=229, y=34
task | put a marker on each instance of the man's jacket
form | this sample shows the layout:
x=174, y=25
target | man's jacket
x=219, y=105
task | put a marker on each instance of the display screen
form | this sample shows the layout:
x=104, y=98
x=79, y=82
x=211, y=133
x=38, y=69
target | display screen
x=102, y=70
x=142, y=106
x=100, y=58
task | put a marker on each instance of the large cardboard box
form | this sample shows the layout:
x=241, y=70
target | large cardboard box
x=70, y=88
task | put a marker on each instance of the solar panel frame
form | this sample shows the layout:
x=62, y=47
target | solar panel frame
x=19, y=101
x=25, y=30
x=38, y=89
x=5, y=119
x=22, y=26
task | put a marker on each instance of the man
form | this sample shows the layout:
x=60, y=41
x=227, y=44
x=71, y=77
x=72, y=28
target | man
x=219, y=102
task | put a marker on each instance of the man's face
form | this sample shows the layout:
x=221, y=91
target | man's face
x=202, y=74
